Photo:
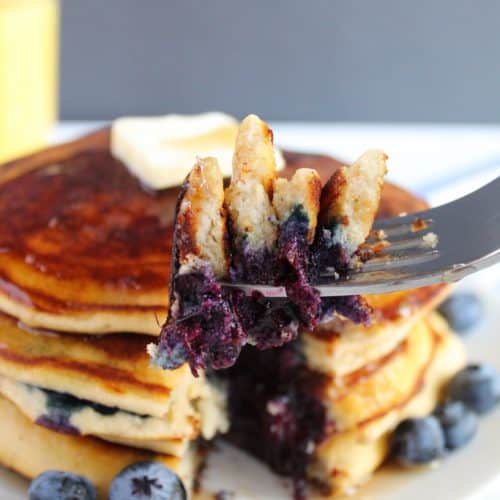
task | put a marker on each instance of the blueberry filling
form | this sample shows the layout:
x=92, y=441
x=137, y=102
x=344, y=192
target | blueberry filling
x=208, y=325
x=59, y=407
x=267, y=323
x=295, y=267
x=299, y=264
x=252, y=266
x=276, y=411
x=202, y=329
x=329, y=254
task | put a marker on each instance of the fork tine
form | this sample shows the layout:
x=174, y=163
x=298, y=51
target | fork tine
x=469, y=239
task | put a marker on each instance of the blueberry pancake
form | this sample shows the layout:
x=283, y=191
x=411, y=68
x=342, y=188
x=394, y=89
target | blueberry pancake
x=274, y=238
x=249, y=202
x=347, y=459
x=321, y=409
x=349, y=202
x=201, y=327
x=106, y=387
x=30, y=450
x=297, y=203
x=84, y=247
x=86, y=253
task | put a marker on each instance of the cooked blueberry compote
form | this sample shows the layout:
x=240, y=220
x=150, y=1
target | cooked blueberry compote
x=251, y=265
x=59, y=485
x=202, y=330
x=329, y=254
x=276, y=410
x=147, y=481
x=296, y=265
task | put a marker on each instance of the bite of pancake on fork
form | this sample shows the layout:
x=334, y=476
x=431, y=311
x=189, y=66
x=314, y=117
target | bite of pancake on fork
x=261, y=230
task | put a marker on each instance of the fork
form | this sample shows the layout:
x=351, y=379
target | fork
x=439, y=245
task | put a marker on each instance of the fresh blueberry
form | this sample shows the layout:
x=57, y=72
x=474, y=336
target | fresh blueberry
x=463, y=311
x=477, y=386
x=417, y=441
x=458, y=422
x=147, y=481
x=58, y=485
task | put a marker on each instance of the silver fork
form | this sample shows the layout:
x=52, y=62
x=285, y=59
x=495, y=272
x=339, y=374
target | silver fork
x=440, y=245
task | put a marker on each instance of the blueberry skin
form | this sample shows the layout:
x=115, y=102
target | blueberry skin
x=147, y=481
x=477, y=386
x=462, y=311
x=418, y=441
x=58, y=485
x=458, y=422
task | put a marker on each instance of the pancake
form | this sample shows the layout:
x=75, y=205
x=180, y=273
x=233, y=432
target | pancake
x=339, y=347
x=30, y=450
x=382, y=384
x=347, y=459
x=112, y=370
x=105, y=386
x=65, y=413
x=84, y=248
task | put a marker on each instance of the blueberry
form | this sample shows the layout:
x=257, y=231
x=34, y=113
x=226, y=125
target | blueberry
x=462, y=310
x=458, y=422
x=147, y=481
x=58, y=485
x=477, y=386
x=417, y=441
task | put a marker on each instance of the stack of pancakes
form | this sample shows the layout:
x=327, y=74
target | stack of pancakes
x=84, y=272
x=327, y=403
x=84, y=257
x=376, y=376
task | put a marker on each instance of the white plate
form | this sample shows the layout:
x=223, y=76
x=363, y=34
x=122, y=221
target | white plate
x=472, y=473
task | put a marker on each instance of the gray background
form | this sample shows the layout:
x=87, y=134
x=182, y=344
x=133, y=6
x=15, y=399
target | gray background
x=373, y=60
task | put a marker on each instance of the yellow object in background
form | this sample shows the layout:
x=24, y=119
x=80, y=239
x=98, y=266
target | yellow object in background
x=29, y=39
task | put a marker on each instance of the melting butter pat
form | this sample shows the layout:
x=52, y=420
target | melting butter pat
x=161, y=150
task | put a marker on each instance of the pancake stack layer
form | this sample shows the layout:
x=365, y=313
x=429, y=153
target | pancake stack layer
x=85, y=256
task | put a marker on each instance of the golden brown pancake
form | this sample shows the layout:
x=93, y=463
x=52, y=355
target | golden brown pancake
x=382, y=384
x=347, y=459
x=145, y=407
x=113, y=370
x=30, y=450
x=340, y=347
x=84, y=248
